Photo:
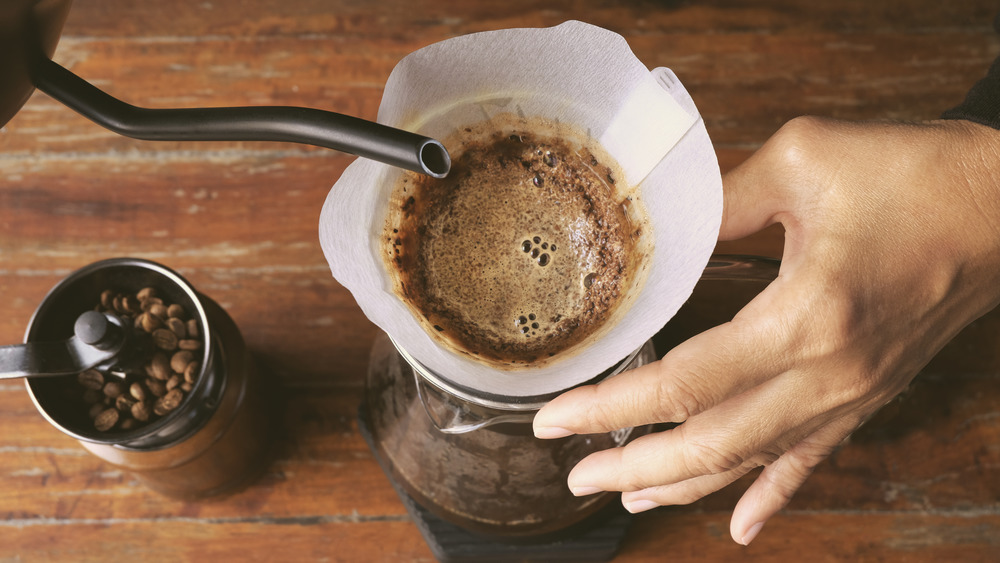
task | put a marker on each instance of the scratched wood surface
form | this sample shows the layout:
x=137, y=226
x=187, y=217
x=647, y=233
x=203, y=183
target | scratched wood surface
x=920, y=482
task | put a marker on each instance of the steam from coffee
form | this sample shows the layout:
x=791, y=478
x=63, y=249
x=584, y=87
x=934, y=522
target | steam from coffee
x=525, y=251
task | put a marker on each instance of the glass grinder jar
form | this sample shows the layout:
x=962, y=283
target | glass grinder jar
x=214, y=441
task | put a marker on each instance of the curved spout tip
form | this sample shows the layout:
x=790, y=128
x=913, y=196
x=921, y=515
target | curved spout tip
x=434, y=159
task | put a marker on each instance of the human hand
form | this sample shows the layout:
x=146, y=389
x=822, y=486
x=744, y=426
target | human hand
x=892, y=246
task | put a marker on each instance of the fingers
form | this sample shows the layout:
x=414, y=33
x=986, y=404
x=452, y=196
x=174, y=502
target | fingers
x=749, y=202
x=779, y=481
x=701, y=372
x=771, y=492
x=724, y=438
x=684, y=492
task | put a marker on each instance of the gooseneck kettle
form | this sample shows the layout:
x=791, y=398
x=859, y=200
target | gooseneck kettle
x=29, y=32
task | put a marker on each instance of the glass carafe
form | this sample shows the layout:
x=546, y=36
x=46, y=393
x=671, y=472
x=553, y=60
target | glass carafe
x=472, y=460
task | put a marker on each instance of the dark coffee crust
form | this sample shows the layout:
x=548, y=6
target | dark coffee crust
x=521, y=253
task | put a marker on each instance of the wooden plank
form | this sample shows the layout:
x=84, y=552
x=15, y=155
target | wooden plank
x=179, y=199
x=348, y=538
x=402, y=18
x=829, y=536
x=322, y=467
x=664, y=533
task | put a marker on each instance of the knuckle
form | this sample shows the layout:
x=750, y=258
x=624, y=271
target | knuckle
x=676, y=399
x=794, y=471
x=689, y=496
x=605, y=412
x=606, y=415
x=638, y=470
x=781, y=484
x=688, y=385
x=696, y=496
x=801, y=465
x=636, y=483
x=798, y=150
x=789, y=144
x=703, y=458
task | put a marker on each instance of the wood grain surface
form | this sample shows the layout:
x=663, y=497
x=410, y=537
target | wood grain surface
x=919, y=482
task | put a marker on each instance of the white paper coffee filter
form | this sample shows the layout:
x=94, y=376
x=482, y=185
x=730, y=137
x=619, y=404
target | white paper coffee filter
x=573, y=73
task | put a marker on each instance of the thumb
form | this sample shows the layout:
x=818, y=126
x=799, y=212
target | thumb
x=764, y=189
x=750, y=201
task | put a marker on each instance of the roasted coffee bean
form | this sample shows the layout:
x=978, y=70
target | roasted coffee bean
x=159, y=310
x=192, y=328
x=189, y=344
x=145, y=293
x=156, y=387
x=168, y=402
x=160, y=366
x=137, y=391
x=173, y=399
x=177, y=326
x=91, y=379
x=151, y=302
x=165, y=339
x=106, y=420
x=127, y=424
x=107, y=299
x=174, y=381
x=150, y=322
x=114, y=389
x=187, y=386
x=95, y=409
x=191, y=372
x=140, y=411
x=124, y=402
x=180, y=360
x=131, y=305
x=175, y=311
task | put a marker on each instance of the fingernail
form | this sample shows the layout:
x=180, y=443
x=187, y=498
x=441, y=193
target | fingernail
x=751, y=533
x=640, y=505
x=584, y=491
x=551, y=432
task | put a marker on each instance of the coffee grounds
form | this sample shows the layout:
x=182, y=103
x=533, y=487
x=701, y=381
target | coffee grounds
x=520, y=253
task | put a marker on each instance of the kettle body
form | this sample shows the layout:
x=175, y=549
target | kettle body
x=26, y=26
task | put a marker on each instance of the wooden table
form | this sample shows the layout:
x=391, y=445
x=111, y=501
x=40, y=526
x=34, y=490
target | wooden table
x=920, y=482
